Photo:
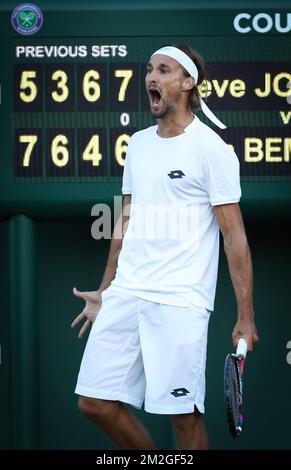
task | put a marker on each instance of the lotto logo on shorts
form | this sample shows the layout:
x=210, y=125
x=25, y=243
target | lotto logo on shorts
x=176, y=174
x=179, y=392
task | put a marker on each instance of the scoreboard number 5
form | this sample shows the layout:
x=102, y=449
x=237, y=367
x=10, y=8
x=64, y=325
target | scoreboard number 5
x=27, y=83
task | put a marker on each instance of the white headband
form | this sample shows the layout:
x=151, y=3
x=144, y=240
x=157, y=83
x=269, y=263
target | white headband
x=191, y=68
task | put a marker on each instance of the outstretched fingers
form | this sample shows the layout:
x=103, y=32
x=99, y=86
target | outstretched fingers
x=84, y=328
x=78, y=293
x=77, y=320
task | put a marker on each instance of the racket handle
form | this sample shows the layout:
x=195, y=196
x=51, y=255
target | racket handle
x=242, y=347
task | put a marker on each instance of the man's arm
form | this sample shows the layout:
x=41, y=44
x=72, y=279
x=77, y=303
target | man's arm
x=93, y=299
x=240, y=267
x=116, y=244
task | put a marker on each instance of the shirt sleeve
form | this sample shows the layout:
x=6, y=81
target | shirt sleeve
x=127, y=180
x=221, y=175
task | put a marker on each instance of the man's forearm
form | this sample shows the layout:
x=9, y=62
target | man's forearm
x=110, y=270
x=241, y=272
x=240, y=267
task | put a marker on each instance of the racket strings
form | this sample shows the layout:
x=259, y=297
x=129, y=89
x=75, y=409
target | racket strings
x=233, y=394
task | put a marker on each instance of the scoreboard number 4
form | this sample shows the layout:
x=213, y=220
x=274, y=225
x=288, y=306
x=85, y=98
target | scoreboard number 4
x=59, y=152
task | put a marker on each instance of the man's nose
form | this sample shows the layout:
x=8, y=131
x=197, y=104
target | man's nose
x=152, y=77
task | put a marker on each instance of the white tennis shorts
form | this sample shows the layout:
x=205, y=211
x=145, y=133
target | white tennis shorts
x=140, y=351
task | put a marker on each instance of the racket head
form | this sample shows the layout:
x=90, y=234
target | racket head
x=233, y=393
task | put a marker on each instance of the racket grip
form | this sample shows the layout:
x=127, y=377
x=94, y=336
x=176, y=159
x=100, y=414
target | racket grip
x=242, y=347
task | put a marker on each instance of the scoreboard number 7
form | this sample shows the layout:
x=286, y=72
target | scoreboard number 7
x=126, y=75
x=31, y=141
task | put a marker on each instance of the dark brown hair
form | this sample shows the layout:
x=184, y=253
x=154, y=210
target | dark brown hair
x=194, y=96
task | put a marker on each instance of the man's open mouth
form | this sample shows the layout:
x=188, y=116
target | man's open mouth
x=155, y=96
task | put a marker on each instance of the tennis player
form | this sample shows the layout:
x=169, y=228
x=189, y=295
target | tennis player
x=150, y=314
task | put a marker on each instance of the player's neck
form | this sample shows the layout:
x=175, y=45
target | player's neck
x=174, y=125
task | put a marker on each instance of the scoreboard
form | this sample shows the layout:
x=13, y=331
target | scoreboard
x=85, y=110
x=71, y=97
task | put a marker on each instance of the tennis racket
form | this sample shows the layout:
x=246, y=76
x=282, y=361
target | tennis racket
x=233, y=385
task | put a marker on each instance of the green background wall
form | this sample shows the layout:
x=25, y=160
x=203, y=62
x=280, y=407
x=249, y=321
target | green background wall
x=65, y=256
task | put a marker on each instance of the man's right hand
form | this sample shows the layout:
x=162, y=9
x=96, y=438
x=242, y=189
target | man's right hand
x=93, y=304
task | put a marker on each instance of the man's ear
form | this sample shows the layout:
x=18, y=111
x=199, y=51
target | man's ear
x=188, y=83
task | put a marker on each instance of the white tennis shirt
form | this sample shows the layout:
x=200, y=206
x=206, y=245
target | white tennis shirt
x=170, y=249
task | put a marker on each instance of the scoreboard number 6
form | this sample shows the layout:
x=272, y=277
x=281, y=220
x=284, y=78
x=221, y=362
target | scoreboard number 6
x=90, y=85
x=60, y=154
x=121, y=145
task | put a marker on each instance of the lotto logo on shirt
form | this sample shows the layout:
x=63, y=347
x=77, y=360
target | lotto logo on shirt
x=176, y=174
